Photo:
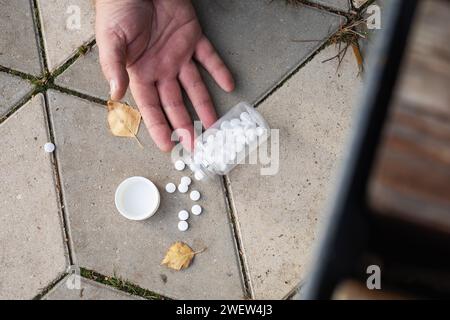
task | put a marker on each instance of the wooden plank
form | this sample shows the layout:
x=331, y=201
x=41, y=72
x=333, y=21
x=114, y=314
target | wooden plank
x=411, y=179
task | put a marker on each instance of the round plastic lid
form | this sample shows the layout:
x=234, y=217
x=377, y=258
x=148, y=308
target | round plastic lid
x=137, y=198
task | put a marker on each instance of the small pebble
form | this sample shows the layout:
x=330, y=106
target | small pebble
x=180, y=165
x=183, y=225
x=183, y=215
x=196, y=209
x=170, y=188
x=183, y=188
x=49, y=147
x=195, y=195
x=186, y=180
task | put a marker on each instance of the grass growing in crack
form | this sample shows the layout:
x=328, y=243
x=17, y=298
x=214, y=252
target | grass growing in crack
x=121, y=284
x=347, y=36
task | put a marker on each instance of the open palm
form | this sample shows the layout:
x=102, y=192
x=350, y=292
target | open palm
x=152, y=44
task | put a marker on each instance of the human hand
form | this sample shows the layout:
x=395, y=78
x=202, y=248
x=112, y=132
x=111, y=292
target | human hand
x=151, y=45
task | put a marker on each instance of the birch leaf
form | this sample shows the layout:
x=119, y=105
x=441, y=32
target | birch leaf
x=123, y=120
x=179, y=256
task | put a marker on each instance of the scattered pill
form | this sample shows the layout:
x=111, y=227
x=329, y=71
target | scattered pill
x=170, y=188
x=49, y=147
x=180, y=165
x=196, y=209
x=183, y=215
x=183, y=188
x=186, y=180
x=183, y=225
x=195, y=195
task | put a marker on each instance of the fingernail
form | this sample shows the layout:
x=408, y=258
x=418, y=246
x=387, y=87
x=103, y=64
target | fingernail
x=112, y=87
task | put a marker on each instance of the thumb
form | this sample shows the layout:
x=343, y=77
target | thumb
x=112, y=54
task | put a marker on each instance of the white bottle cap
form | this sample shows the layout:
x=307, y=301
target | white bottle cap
x=137, y=198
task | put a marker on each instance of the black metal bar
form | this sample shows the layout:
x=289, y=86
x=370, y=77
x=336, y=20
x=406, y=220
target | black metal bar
x=346, y=234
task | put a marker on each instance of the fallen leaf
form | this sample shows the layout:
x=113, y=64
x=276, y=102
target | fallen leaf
x=179, y=256
x=123, y=120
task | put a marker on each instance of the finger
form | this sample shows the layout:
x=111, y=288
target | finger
x=112, y=54
x=176, y=112
x=146, y=97
x=210, y=60
x=196, y=89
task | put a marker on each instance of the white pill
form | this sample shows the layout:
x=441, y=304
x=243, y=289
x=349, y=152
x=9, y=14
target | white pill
x=239, y=147
x=186, y=180
x=235, y=123
x=245, y=117
x=226, y=125
x=183, y=215
x=239, y=131
x=250, y=135
x=49, y=147
x=183, y=188
x=260, y=131
x=180, y=165
x=210, y=139
x=199, y=175
x=195, y=195
x=183, y=226
x=170, y=188
x=196, y=209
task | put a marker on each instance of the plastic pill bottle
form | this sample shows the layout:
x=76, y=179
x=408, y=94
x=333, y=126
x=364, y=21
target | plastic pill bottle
x=228, y=142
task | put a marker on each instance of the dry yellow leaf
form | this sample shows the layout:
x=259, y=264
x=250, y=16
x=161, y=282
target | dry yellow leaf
x=123, y=120
x=179, y=256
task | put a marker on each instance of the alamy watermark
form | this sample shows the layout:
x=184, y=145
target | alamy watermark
x=373, y=281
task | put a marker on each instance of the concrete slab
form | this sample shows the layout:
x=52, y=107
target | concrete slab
x=33, y=253
x=66, y=25
x=12, y=90
x=92, y=164
x=278, y=214
x=18, y=43
x=342, y=5
x=89, y=290
x=85, y=76
x=259, y=42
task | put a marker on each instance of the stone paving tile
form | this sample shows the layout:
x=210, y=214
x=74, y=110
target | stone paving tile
x=12, y=90
x=18, y=43
x=342, y=5
x=92, y=164
x=89, y=290
x=255, y=38
x=33, y=253
x=85, y=76
x=279, y=216
x=62, y=33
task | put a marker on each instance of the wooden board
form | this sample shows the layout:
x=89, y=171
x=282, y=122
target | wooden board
x=411, y=180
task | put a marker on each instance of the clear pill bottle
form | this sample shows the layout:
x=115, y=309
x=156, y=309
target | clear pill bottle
x=228, y=141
